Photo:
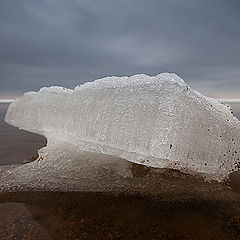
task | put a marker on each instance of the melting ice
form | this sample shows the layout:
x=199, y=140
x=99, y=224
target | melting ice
x=156, y=121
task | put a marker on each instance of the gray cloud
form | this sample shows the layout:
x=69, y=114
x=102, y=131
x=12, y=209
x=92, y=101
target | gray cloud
x=68, y=42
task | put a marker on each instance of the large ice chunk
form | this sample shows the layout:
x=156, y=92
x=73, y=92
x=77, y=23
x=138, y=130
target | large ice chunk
x=158, y=121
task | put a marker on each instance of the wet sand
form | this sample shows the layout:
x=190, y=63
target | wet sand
x=72, y=215
x=75, y=215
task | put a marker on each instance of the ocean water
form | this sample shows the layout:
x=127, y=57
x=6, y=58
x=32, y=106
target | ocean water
x=73, y=215
x=17, y=146
x=236, y=109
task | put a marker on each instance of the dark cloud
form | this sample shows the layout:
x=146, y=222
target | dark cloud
x=67, y=42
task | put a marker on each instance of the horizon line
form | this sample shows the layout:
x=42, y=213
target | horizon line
x=6, y=100
x=228, y=100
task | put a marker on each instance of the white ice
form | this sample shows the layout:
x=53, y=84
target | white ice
x=157, y=121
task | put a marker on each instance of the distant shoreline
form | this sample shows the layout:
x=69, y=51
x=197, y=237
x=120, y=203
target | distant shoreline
x=229, y=100
x=6, y=100
x=233, y=100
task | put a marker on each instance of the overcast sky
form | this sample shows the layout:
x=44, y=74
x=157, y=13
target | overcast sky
x=68, y=42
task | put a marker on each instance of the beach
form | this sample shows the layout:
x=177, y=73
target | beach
x=203, y=214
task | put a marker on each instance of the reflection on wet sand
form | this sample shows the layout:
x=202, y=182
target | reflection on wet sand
x=72, y=215
x=16, y=222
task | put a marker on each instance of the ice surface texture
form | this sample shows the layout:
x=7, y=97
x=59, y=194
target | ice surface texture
x=157, y=121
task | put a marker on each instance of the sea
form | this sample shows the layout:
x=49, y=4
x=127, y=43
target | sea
x=73, y=215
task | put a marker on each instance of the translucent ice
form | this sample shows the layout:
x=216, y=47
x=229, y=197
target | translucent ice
x=155, y=121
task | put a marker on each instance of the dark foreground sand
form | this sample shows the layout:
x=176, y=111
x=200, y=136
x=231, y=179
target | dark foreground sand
x=72, y=215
